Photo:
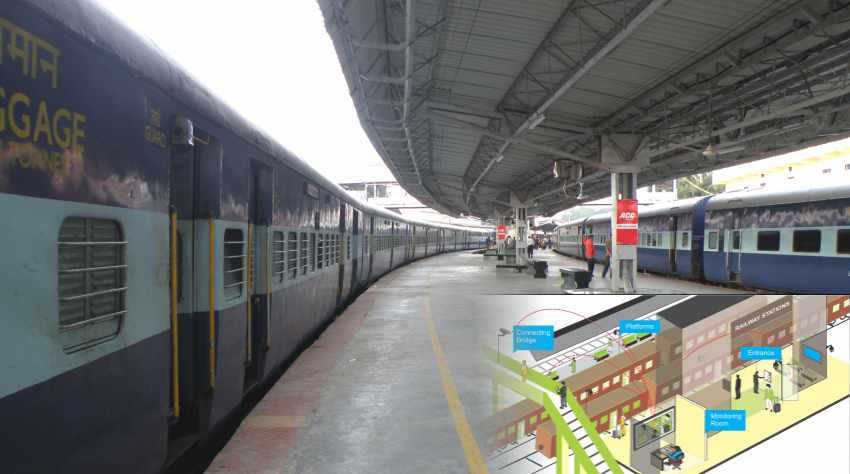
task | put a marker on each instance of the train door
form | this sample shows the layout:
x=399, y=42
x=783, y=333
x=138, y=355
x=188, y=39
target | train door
x=195, y=161
x=369, y=243
x=733, y=258
x=341, y=244
x=259, y=258
x=355, y=248
x=671, y=246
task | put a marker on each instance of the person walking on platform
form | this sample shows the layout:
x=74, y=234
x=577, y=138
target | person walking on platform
x=562, y=390
x=738, y=387
x=607, y=257
x=530, y=248
x=588, y=254
x=756, y=381
x=573, y=365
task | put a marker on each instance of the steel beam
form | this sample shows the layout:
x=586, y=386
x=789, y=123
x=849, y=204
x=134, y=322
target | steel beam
x=603, y=47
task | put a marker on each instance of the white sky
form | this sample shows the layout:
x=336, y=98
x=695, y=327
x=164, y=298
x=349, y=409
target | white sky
x=274, y=62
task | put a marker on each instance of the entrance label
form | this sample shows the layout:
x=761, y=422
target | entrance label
x=636, y=326
x=725, y=420
x=534, y=338
x=761, y=353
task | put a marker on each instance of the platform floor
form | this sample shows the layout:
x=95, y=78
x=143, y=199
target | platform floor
x=397, y=383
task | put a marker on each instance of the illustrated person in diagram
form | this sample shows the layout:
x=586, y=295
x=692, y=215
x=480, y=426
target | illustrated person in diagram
x=756, y=378
x=738, y=387
x=562, y=391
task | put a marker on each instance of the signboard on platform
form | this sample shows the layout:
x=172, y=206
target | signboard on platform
x=534, y=338
x=725, y=420
x=500, y=232
x=627, y=222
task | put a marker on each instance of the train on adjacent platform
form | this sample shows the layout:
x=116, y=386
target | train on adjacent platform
x=163, y=257
x=786, y=240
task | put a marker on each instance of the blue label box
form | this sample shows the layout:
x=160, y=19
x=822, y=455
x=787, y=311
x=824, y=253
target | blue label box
x=761, y=353
x=640, y=326
x=725, y=420
x=812, y=354
x=534, y=338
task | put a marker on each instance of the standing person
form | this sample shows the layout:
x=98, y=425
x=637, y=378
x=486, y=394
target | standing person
x=562, y=390
x=756, y=381
x=607, y=257
x=588, y=254
x=573, y=365
x=768, y=377
x=530, y=247
x=738, y=387
x=524, y=371
x=769, y=398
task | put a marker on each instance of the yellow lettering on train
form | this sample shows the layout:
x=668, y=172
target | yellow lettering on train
x=62, y=134
x=42, y=124
x=78, y=133
x=40, y=130
x=16, y=99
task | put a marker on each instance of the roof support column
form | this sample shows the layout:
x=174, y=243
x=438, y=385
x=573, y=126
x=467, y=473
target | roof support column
x=521, y=224
x=623, y=257
x=620, y=152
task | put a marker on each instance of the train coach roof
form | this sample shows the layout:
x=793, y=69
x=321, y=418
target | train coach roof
x=670, y=208
x=103, y=31
x=768, y=197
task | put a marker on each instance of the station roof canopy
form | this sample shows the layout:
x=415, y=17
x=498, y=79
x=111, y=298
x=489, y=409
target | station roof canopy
x=699, y=307
x=469, y=102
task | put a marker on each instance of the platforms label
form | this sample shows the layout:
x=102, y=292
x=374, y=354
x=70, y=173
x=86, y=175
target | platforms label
x=634, y=326
x=761, y=353
x=725, y=420
x=534, y=338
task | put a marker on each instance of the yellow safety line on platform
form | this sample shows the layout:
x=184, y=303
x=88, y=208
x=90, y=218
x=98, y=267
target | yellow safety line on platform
x=474, y=459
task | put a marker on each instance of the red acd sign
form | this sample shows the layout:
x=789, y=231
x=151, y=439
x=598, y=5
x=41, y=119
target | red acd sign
x=500, y=232
x=627, y=222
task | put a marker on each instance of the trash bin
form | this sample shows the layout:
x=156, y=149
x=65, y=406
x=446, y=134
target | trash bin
x=575, y=278
x=540, y=268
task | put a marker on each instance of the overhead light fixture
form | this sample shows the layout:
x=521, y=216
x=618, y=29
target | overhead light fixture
x=581, y=195
x=536, y=120
x=710, y=151
x=500, y=158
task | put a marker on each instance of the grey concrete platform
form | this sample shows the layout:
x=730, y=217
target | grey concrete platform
x=398, y=382
x=647, y=283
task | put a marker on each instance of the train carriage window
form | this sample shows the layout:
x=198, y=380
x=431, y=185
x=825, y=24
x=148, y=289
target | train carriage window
x=736, y=240
x=92, y=272
x=292, y=255
x=842, y=242
x=305, y=255
x=320, y=255
x=348, y=247
x=234, y=263
x=712, y=240
x=329, y=250
x=686, y=239
x=278, y=256
x=807, y=241
x=768, y=240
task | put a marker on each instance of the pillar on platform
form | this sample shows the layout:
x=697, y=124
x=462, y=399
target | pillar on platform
x=621, y=153
x=521, y=225
x=500, y=243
